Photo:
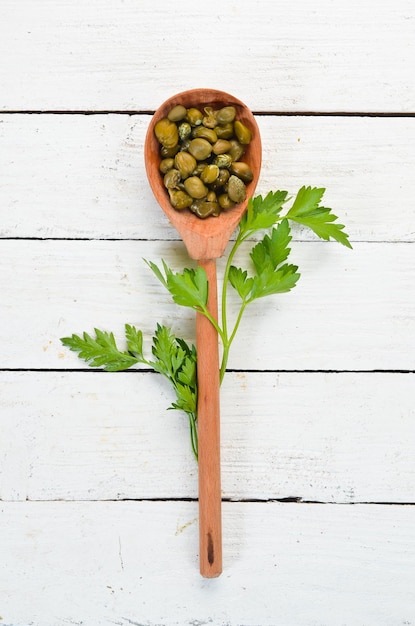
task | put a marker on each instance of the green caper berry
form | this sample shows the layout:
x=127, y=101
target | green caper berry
x=167, y=133
x=200, y=167
x=166, y=165
x=184, y=145
x=209, y=119
x=209, y=173
x=225, y=115
x=225, y=202
x=224, y=132
x=169, y=152
x=236, y=150
x=203, y=208
x=221, y=146
x=223, y=160
x=236, y=189
x=179, y=199
x=205, y=133
x=242, y=171
x=221, y=180
x=195, y=187
x=242, y=133
x=200, y=149
x=171, y=179
x=184, y=130
x=185, y=163
x=177, y=113
x=194, y=116
x=211, y=197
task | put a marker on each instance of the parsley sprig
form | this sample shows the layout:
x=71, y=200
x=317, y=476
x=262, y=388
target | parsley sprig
x=269, y=274
x=173, y=358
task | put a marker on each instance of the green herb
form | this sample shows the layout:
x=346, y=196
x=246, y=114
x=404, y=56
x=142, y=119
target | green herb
x=173, y=358
x=269, y=274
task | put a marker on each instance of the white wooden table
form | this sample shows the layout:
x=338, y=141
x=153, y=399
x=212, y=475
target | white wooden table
x=98, y=486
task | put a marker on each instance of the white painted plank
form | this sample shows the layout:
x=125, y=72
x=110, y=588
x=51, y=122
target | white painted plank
x=324, y=437
x=84, y=176
x=323, y=56
x=352, y=309
x=136, y=563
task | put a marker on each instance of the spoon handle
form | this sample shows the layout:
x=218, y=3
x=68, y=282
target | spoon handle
x=208, y=411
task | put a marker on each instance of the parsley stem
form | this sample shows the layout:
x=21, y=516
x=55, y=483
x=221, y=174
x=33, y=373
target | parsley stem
x=193, y=433
x=226, y=341
x=229, y=341
x=212, y=320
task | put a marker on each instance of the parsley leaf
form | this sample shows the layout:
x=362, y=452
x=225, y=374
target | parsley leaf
x=270, y=281
x=272, y=276
x=177, y=361
x=240, y=281
x=186, y=399
x=189, y=288
x=134, y=341
x=101, y=351
x=272, y=250
x=262, y=212
x=307, y=211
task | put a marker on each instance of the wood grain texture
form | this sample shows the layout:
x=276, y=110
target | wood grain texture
x=208, y=428
x=351, y=309
x=83, y=176
x=136, y=563
x=326, y=56
x=319, y=437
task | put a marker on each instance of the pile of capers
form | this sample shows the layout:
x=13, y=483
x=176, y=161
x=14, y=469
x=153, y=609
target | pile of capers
x=201, y=158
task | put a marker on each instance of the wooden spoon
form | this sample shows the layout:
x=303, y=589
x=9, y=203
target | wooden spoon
x=205, y=240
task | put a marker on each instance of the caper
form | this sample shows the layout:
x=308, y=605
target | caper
x=169, y=152
x=194, y=116
x=221, y=180
x=225, y=202
x=171, y=179
x=184, y=130
x=242, y=133
x=195, y=187
x=185, y=163
x=184, y=145
x=166, y=165
x=236, y=150
x=223, y=160
x=201, y=158
x=211, y=196
x=236, y=189
x=177, y=113
x=200, y=148
x=209, y=119
x=204, y=208
x=221, y=146
x=167, y=133
x=242, y=171
x=225, y=115
x=209, y=173
x=205, y=133
x=179, y=199
x=200, y=167
x=224, y=132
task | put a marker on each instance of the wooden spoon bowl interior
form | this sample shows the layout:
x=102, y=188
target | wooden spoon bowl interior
x=204, y=238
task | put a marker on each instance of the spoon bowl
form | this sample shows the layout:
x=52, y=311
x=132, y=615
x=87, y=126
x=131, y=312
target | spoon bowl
x=204, y=238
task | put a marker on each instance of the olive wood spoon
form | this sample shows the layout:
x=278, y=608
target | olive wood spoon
x=205, y=241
